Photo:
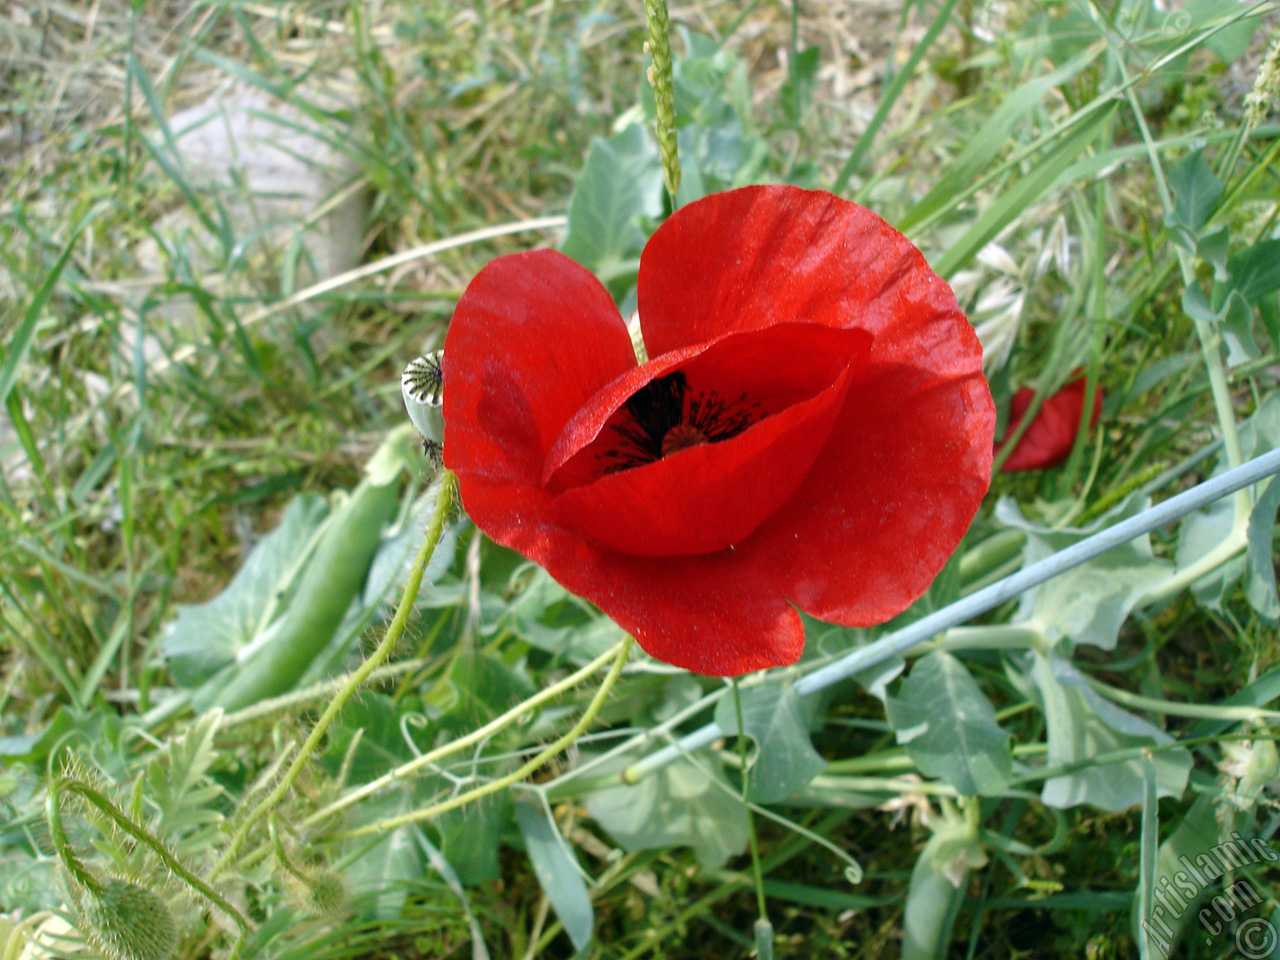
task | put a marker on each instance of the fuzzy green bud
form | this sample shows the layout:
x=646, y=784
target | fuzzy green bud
x=126, y=921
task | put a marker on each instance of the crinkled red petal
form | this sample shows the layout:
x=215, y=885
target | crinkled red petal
x=908, y=461
x=893, y=492
x=534, y=337
x=1051, y=435
x=709, y=497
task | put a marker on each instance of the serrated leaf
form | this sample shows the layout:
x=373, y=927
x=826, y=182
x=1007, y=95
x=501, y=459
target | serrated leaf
x=620, y=184
x=774, y=717
x=1090, y=602
x=949, y=727
x=1081, y=726
x=177, y=778
x=558, y=872
x=204, y=637
x=686, y=803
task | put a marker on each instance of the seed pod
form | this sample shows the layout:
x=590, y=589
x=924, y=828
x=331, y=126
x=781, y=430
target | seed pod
x=422, y=387
x=335, y=572
x=126, y=921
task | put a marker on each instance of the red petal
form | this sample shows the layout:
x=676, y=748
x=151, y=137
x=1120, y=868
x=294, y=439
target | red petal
x=890, y=497
x=711, y=496
x=533, y=337
x=757, y=256
x=1051, y=435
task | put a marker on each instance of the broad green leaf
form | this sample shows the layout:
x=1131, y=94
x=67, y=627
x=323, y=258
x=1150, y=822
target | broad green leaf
x=1255, y=271
x=1230, y=41
x=558, y=872
x=471, y=836
x=205, y=637
x=1082, y=726
x=1196, y=191
x=1205, y=530
x=687, y=803
x=620, y=185
x=1238, y=330
x=949, y=727
x=1261, y=586
x=775, y=718
x=385, y=870
x=1090, y=602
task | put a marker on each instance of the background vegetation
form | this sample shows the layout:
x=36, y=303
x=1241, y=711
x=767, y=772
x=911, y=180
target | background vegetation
x=197, y=363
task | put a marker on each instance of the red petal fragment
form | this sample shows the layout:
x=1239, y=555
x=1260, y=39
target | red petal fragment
x=708, y=497
x=719, y=615
x=889, y=498
x=759, y=256
x=533, y=337
x=1051, y=435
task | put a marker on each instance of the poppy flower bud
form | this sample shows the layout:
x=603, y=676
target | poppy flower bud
x=812, y=430
x=126, y=921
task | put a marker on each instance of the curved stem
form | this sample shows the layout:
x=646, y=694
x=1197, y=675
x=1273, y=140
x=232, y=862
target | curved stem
x=556, y=748
x=444, y=504
x=139, y=833
x=477, y=736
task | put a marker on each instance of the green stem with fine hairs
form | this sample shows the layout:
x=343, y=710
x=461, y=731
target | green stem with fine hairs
x=444, y=504
x=555, y=749
x=82, y=876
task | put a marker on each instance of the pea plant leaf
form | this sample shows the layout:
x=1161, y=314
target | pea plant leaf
x=1082, y=726
x=620, y=185
x=1196, y=191
x=687, y=803
x=775, y=718
x=205, y=636
x=558, y=872
x=949, y=727
x=1090, y=602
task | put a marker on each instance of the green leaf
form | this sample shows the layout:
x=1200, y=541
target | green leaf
x=1176, y=869
x=1255, y=271
x=1229, y=42
x=1196, y=191
x=558, y=872
x=620, y=185
x=205, y=637
x=949, y=727
x=687, y=803
x=1261, y=585
x=1237, y=330
x=471, y=836
x=1090, y=602
x=1083, y=725
x=797, y=90
x=774, y=717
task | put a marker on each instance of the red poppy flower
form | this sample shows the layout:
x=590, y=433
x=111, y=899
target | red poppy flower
x=1052, y=434
x=813, y=430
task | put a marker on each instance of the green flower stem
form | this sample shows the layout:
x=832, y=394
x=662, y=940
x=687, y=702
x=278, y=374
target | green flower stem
x=477, y=736
x=664, y=97
x=444, y=504
x=1172, y=708
x=555, y=749
x=139, y=833
x=756, y=871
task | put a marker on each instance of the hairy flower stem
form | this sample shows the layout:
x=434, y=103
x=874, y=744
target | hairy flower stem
x=664, y=95
x=756, y=870
x=554, y=750
x=81, y=875
x=462, y=743
x=444, y=505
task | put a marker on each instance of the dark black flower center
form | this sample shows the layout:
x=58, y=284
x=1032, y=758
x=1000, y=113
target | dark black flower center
x=666, y=416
